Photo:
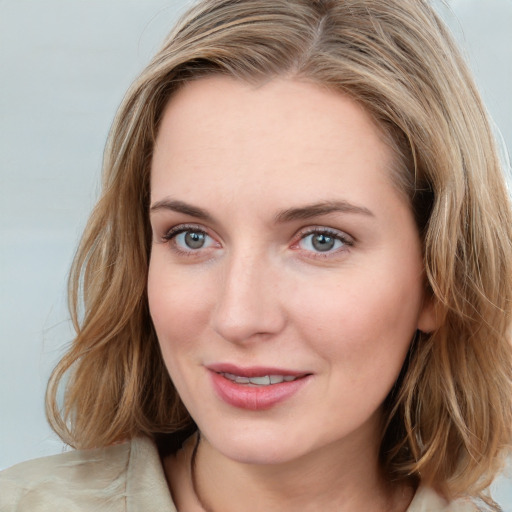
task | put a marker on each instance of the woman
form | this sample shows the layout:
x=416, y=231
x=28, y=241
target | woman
x=295, y=290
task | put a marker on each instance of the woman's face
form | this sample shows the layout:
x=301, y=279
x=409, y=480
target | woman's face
x=286, y=278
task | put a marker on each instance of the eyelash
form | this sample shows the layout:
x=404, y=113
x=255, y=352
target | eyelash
x=345, y=239
x=171, y=235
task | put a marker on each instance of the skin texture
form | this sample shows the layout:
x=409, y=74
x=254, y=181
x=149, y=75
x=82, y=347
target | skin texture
x=258, y=292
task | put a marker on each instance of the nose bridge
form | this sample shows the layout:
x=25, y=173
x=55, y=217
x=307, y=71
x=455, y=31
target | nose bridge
x=248, y=300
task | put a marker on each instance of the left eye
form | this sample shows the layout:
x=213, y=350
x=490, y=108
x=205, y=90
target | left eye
x=322, y=242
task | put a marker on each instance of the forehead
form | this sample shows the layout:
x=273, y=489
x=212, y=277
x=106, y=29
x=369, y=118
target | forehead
x=285, y=134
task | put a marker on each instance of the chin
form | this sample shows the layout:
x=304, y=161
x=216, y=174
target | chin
x=257, y=446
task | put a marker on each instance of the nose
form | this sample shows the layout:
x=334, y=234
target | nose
x=249, y=305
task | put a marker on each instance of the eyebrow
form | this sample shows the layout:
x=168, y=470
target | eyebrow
x=181, y=207
x=288, y=215
x=318, y=209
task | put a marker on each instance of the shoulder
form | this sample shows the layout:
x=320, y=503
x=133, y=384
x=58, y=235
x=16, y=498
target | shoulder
x=427, y=500
x=101, y=479
x=68, y=479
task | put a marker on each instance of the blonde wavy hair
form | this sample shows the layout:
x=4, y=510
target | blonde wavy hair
x=449, y=416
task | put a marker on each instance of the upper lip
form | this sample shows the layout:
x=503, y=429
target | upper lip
x=252, y=371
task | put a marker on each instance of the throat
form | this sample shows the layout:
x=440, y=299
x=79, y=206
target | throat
x=209, y=492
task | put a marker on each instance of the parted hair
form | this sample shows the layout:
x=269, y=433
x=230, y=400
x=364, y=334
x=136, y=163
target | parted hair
x=448, y=419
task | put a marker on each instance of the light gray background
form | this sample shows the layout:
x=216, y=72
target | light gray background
x=64, y=66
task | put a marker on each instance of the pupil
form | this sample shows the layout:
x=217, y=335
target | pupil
x=194, y=240
x=323, y=242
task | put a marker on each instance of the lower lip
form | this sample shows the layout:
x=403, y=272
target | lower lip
x=255, y=398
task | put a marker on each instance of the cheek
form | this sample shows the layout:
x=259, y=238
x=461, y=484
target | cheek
x=365, y=322
x=178, y=308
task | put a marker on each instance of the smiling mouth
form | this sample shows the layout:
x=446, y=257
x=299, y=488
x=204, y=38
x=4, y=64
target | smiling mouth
x=264, y=380
x=255, y=388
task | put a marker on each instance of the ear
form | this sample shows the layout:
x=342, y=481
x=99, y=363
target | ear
x=431, y=316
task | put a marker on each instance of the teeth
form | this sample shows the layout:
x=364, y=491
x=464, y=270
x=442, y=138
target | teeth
x=264, y=380
x=260, y=381
x=236, y=378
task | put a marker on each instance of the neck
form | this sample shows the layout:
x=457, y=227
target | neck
x=330, y=479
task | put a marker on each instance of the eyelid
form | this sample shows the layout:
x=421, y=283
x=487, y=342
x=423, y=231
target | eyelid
x=180, y=228
x=308, y=230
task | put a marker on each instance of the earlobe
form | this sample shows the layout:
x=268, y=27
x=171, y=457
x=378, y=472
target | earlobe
x=431, y=317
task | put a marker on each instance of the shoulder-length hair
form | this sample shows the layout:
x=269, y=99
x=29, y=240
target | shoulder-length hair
x=449, y=416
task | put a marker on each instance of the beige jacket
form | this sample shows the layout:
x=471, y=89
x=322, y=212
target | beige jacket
x=122, y=478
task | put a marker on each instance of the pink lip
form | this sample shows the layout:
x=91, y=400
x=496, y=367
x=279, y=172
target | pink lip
x=254, y=398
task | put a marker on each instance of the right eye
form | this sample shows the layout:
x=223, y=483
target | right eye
x=189, y=239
